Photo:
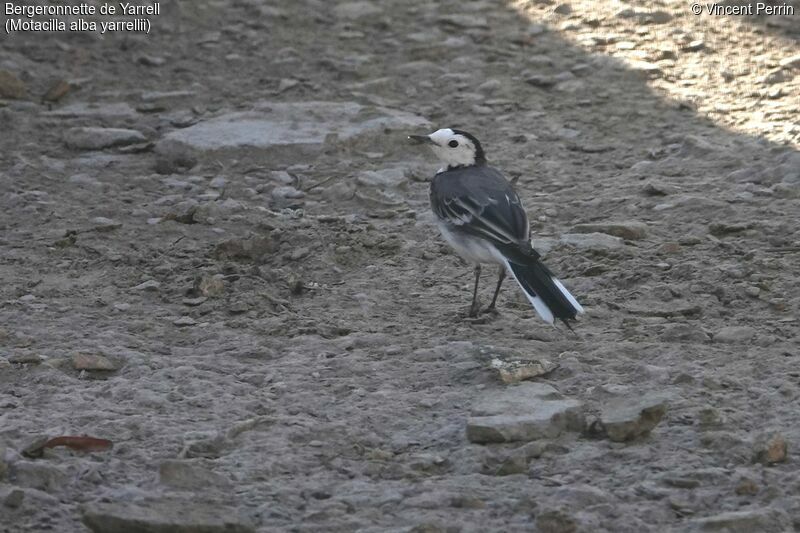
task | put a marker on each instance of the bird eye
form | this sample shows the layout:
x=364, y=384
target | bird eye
x=452, y=144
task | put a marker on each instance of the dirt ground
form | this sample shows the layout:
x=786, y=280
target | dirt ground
x=284, y=332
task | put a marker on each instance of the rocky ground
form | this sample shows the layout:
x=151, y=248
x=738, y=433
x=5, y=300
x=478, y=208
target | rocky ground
x=217, y=254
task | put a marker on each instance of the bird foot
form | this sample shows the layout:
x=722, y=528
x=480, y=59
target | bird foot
x=474, y=309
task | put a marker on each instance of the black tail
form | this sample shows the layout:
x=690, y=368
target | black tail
x=543, y=289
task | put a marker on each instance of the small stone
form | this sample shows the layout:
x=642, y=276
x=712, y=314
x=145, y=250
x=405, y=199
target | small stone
x=93, y=363
x=149, y=285
x=524, y=412
x=40, y=476
x=14, y=498
x=631, y=231
x=211, y=286
x=563, y=9
x=194, y=302
x=57, y=91
x=163, y=517
x=218, y=183
x=749, y=521
x=190, y=475
x=752, y=291
x=695, y=46
x=11, y=86
x=287, y=192
x=735, y=334
x=790, y=62
x=93, y=138
x=769, y=449
x=24, y=359
x=105, y=224
x=629, y=418
x=592, y=241
x=747, y=487
x=256, y=248
x=151, y=61
x=514, y=371
x=184, y=321
x=555, y=521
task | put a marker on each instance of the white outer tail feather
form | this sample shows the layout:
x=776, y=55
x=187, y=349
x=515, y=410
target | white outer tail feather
x=578, y=307
x=536, y=302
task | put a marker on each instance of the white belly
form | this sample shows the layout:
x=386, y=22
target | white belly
x=472, y=249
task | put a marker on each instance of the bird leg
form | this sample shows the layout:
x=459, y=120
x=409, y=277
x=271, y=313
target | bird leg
x=475, y=307
x=497, y=289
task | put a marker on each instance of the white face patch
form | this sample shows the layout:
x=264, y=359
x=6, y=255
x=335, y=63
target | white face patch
x=453, y=148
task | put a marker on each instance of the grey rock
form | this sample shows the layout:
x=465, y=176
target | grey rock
x=163, y=517
x=190, y=475
x=81, y=361
x=100, y=138
x=36, y=475
x=523, y=412
x=287, y=192
x=630, y=230
x=747, y=521
x=555, y=521
x=384, y=178
x=735, y=334
x=790, y=62
x=14, y=498
x=94, y=110
x=284, y=133
x=626, y=419
x=256, y=248
x=149, y=285
x=592, y=241
x=770, y=448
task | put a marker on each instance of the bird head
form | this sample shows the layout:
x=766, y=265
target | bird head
x=455, y=147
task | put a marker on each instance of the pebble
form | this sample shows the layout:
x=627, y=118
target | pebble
x=163, y=517
x=93, y=362
x=184, y=321
x=770, y=448
x=11, y=86
x=14, y=498
x=524, y=412
x=105, y=224
x=592, y=241
x=39, y=475
x=748, y=521
x=25, y=359
x=218, y=183
x=93, y=138
x=630, y=230
x=735, y=334
x=149, y=285
x=627, y=419
x=190, y=475
x=790, y=62
x=516, y=370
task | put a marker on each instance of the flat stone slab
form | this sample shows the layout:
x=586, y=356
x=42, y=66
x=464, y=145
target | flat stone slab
x=286, y=132
x=524, y=412
x=626, y=419
x=593, y=241
x=163, y=517
x=630, y=230
x=100, y=138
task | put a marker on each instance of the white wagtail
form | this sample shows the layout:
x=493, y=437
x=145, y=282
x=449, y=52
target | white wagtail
x=481, y=216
